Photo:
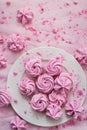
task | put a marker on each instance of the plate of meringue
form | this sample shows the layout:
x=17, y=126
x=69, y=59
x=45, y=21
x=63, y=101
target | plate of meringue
x=47, y=86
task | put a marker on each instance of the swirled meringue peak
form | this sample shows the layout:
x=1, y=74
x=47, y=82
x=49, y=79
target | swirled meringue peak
x=25, y=16
x=54, y=67
x=58, y=97
x=3, y=61
x=27, y=87
x=74, y=108
x=64, y=81
x=45, y=83
x=34, y=67
x=81, y=55
x=39, y=102
x=15, y=43
x=5, y=98
x=18, y=124
x=54, y=111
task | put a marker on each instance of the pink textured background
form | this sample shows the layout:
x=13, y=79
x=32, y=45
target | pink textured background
x=69, y=20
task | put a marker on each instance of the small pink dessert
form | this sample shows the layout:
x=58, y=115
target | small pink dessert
x=15, y=43
x=25, y=16
x=18, y=124
x=54, y=111
x=64, y=81
x=81, y=55
x=45, y=83
x=1, y=39
x=58, y=97
x=39, y=102
x=5, y=98
x=34, y=67
x=27, y=87
x=73, y=109
x=54, y=67
x=3, y=61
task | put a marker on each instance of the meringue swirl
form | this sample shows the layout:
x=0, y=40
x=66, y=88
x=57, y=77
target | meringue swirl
x=58, y=97
x=34, y=67
x=81, y=55
x=4, y=98
x=54, y=67
x=45, y=83
x=54, y=111
x=64, y=81
x=25, y=16
x=39, y=102
x=27, y=87
x=74, y=108
x=15, y=43
x=18, y=123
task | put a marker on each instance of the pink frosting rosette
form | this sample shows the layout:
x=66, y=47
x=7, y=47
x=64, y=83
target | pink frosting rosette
x=34, y=67
x=25, y=16
x=81, y=55
x=54, y=111
x=45, y=83
x=73, y=108
x=27, y=87
x=15, y=43
x=18, y=124
x=58, y=97
x=39, y=102
x=5, y=98
x=64, y=81
x=54, y=67
x=3, y=61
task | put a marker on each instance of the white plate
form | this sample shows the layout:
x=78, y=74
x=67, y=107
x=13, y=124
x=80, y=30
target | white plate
x=23, y=106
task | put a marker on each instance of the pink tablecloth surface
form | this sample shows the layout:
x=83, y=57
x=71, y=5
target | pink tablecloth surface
x=58, y=23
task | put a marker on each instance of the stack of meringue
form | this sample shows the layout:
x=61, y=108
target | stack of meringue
x=49, y=88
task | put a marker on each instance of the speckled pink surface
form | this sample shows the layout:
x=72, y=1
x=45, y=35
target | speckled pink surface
x=58, y=23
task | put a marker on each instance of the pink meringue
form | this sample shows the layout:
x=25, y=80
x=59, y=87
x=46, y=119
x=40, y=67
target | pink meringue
x=3, y=61
x=64, y=81
x=73, y=108
x=5, y=98
x=39, y=102
x=54, y=67
x=81, y=55
x=25, y=16
x=54, y=111
x=58, y=97
x=15, y=43
x=45, y=83
x=18, y=124
x=1, y=39
x=27, y=87
x=34, y=67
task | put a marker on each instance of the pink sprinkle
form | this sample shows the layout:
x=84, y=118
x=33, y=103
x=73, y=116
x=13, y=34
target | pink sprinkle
x=2, y=12
x=80, y=93
x=15, y=101
x=75, y=2
x=1, y=39
x=25, y=112
x=8, y=3
x=15, y=73
x=55, y=30
x=84, y=11
x=38, y=53
x=1, y=22
x=4, y=17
